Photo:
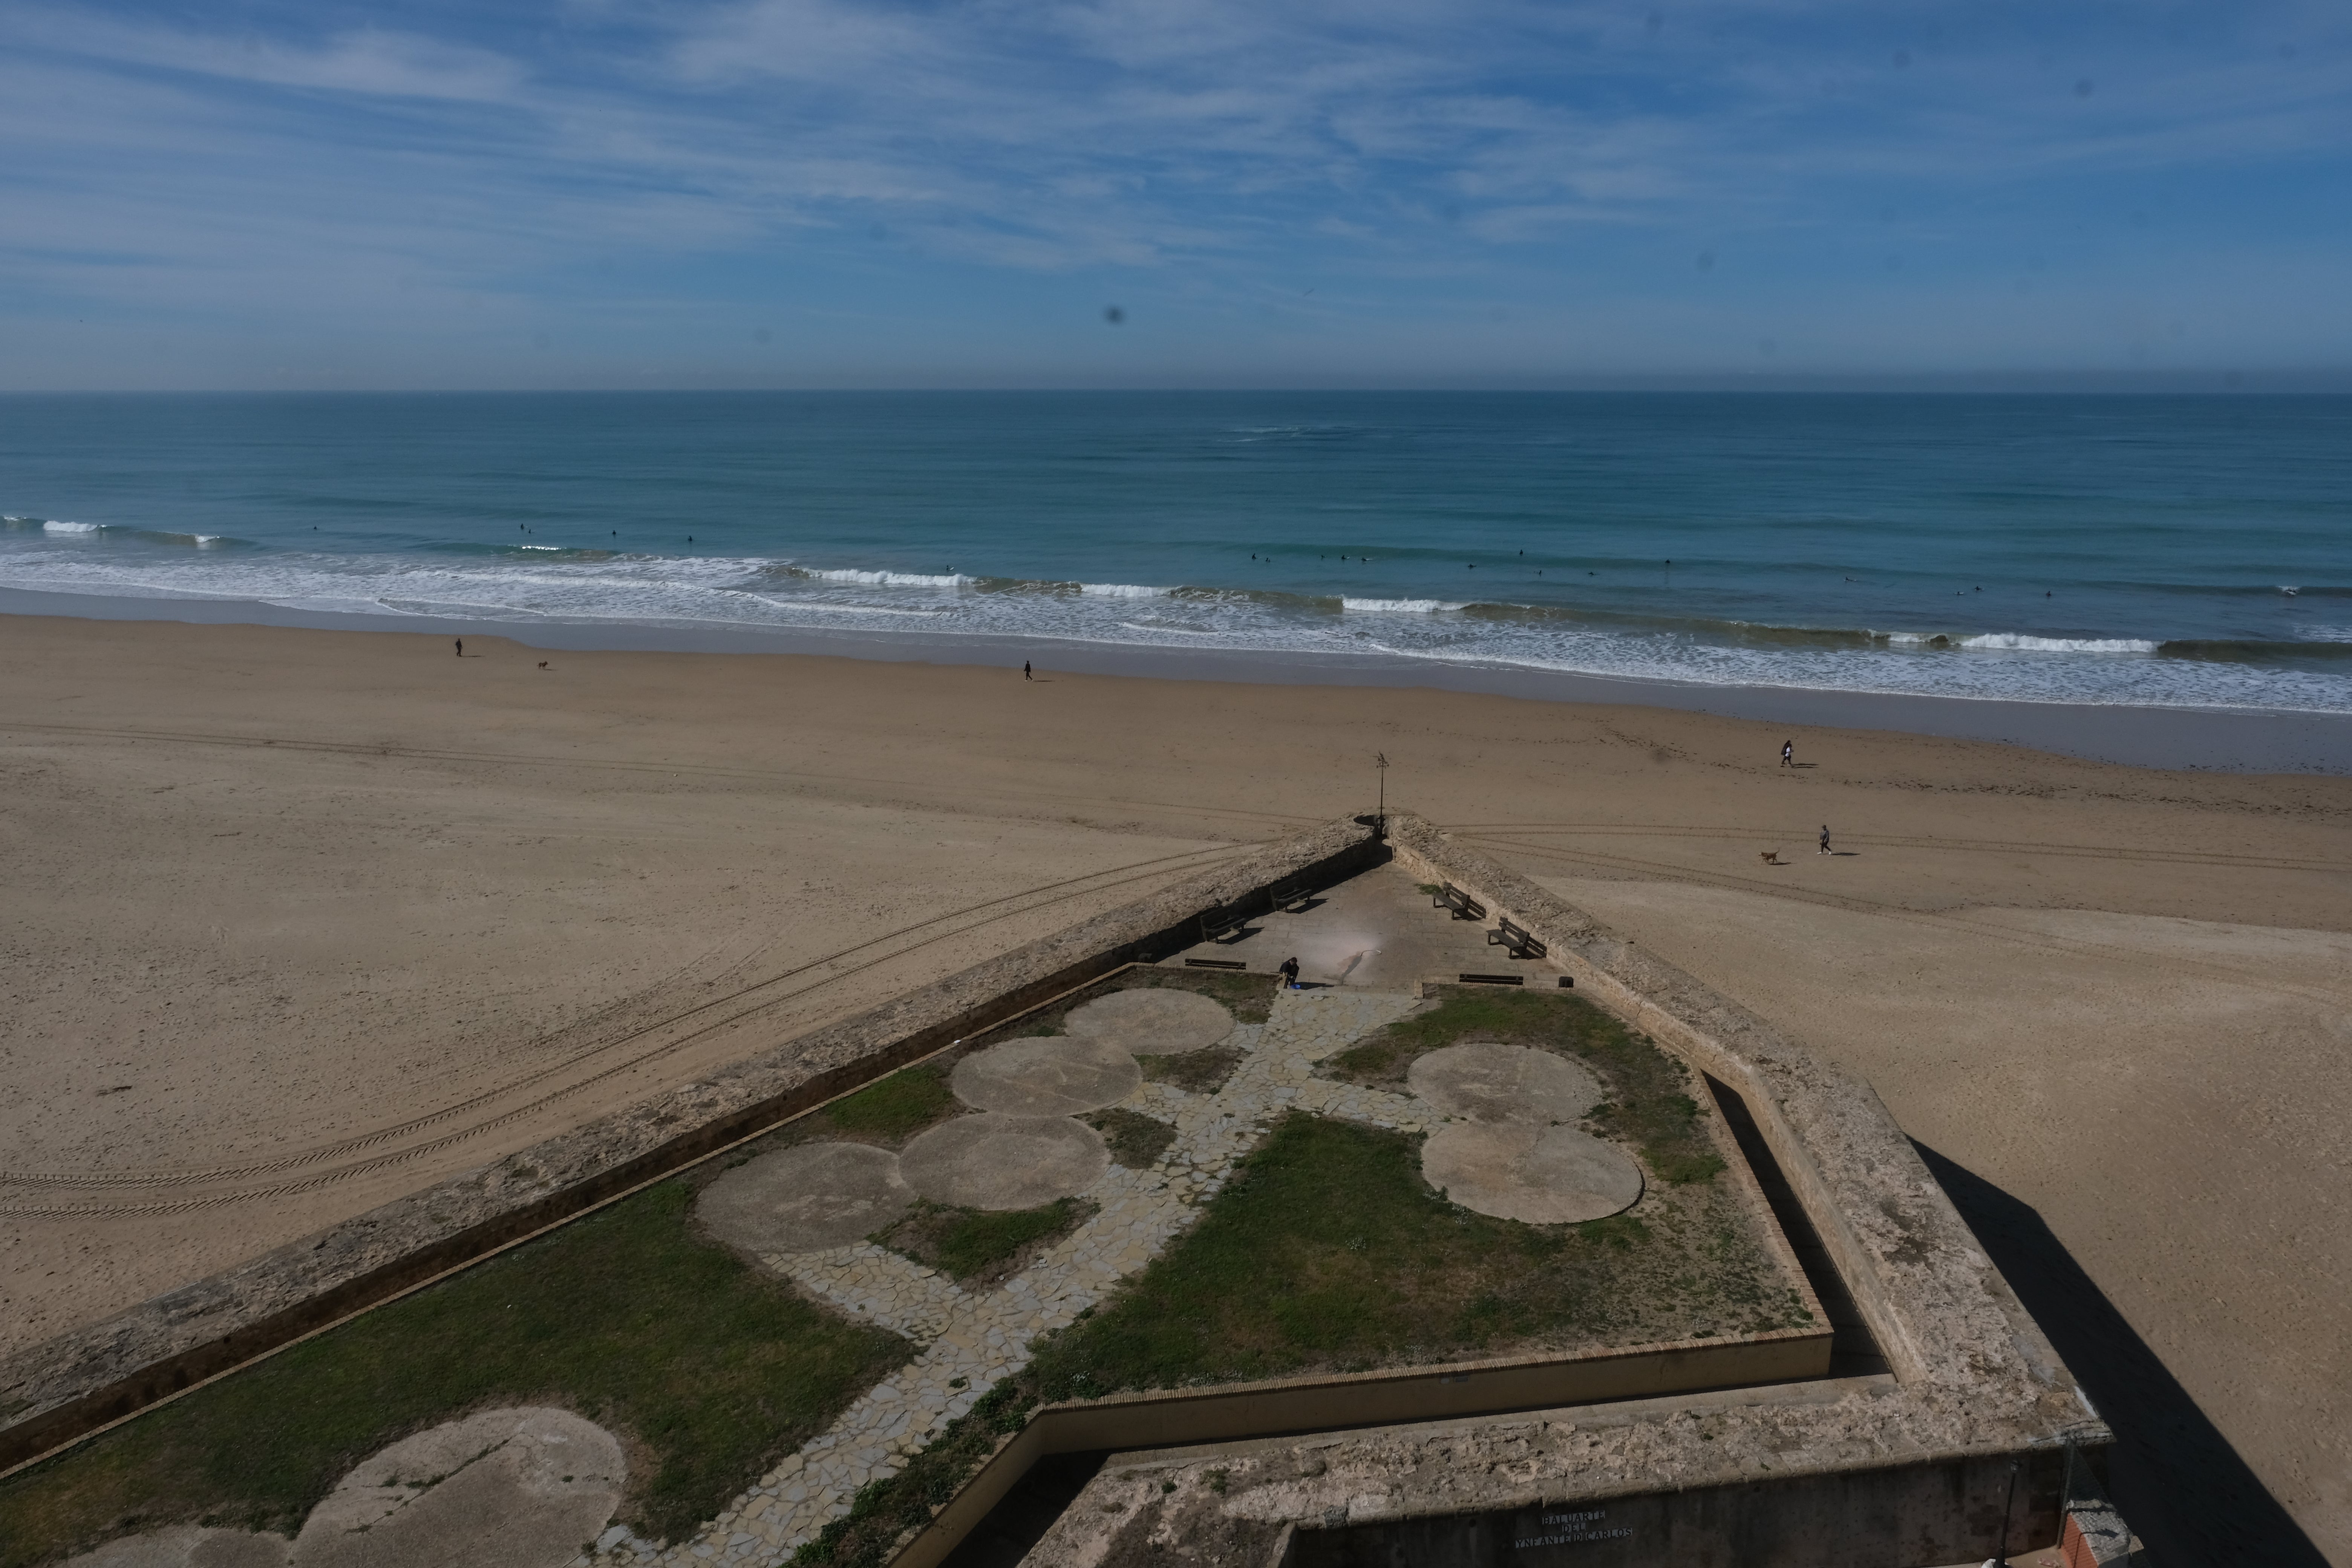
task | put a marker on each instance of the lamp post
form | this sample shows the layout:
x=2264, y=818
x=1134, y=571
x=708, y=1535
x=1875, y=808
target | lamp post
x=2001, y=1547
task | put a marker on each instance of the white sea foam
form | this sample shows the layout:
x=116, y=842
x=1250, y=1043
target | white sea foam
x=823, y=608
x=887, y=579
x=1398, y=606
x=2019, y=642
x=746, y=592
x=71, y=527
x=1120, y=591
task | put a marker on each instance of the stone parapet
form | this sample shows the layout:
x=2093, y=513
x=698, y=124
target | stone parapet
x=68, y=1388
x=1978, y=1412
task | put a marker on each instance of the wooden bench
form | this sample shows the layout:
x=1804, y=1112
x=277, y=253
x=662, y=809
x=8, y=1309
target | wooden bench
x=1494, y=980
x=1517, y=939
x=1293, y=895
x=1216, y=964
x=1219, y=923
x=1465, y=907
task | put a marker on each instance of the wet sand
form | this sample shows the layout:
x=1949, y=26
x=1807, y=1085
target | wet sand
x=299, y=920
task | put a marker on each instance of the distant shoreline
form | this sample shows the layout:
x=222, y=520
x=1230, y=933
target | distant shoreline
x=2206, y=738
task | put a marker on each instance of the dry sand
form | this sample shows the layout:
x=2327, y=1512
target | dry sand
x=347, y=914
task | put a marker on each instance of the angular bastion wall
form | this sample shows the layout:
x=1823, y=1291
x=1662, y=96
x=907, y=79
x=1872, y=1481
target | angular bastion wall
x=1954, y=1452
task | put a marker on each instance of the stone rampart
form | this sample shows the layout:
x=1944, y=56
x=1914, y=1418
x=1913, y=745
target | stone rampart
x=58, y=1391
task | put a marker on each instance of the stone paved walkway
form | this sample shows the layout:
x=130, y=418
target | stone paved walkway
x=971, y=1341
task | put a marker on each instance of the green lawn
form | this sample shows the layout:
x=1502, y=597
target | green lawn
x=624, y=1316
x=1649, y=1105
x=1328, y=1253
x=891, y=1109
x=978, y=1248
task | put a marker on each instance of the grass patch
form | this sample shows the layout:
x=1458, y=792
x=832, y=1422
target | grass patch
x=1249, y=998
x=894, y=1107
x=1327, y=1253
x=1200, y=1072
x=1649, y=1104
x=714, y=1370
x=1135, y=1140
x=979, y=1247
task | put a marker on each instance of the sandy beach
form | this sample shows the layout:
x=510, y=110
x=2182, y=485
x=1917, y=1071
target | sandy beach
x=299, y=920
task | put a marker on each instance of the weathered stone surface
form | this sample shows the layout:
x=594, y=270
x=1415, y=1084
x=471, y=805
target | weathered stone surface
x=806, y=1198
x=1531, y=1172
x=1053, y=1075
x=1483, y=1081
x=1152, y=1022
x=997, y=1161
x=504, y=1488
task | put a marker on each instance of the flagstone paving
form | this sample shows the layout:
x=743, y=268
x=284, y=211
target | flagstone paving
x=973, y=1341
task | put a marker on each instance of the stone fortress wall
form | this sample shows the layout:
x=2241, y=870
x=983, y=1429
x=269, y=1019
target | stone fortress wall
x=1973, y=1391
x=58, y=1393
x=1966, y=1447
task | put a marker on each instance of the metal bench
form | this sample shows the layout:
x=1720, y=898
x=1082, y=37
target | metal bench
x=1464, y=906
x=1517, y=939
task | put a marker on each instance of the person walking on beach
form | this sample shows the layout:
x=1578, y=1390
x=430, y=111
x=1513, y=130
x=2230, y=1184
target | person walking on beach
x=1825, y=839
x=1788, y=753
x=461, y=647
x=1290, y=973
x=1025, y=673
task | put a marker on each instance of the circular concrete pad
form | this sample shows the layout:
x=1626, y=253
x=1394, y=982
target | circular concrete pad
x=1049, y=1076
x=998, y=1162
x=1153, y=1022
x=187, y=1546
x=1486, y=1083
x=1517, y=1169
x=504, y=1488
x=806, y=1198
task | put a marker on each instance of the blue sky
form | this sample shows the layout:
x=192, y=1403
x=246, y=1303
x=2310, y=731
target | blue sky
x=792, y=193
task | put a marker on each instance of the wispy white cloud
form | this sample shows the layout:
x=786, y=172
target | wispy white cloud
x=886, y=162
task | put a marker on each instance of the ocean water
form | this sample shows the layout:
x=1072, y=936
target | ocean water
x=2168, y=551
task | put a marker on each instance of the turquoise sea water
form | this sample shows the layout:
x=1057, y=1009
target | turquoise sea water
x=2176, y=551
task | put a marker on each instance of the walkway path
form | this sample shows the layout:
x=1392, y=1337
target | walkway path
x=973, y=1341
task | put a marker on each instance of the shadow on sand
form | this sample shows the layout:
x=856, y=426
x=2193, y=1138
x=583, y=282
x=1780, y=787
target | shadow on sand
x=2179, y=1483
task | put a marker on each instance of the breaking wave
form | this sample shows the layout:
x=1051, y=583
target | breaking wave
x=2020, y=642
x=1617, y=636
x=883, y=579
x=1402, y=606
